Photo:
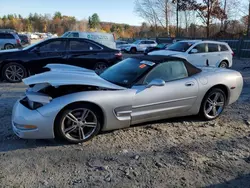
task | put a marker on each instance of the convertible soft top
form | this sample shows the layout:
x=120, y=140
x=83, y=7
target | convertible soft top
x=161, y=59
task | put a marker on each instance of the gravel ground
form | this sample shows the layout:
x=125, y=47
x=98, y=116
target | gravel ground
x=181, y=152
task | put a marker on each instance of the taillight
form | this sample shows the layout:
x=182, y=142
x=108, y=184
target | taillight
x=18, y=41
x=118, y=55
x=233, y=54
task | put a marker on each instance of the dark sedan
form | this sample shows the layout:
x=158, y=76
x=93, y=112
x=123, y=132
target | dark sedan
x=18, y=64
x=158, y=47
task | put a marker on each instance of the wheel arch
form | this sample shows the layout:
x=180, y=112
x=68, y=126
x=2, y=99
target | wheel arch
x=224, y=88
x=12, y=61
x=100, y=110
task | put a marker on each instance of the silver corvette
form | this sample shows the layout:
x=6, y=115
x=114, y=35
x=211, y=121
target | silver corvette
x=75, y=104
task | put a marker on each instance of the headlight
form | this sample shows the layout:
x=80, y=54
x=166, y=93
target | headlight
x=34, y=105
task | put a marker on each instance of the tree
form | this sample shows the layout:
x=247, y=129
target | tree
x=58, y=15
x=94, y=21
x=208, y=10
x=248, y=23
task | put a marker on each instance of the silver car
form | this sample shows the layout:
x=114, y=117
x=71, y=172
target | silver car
x=9, y=41
x=75, y=104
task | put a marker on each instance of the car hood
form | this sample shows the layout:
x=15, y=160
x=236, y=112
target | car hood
x=60, y=74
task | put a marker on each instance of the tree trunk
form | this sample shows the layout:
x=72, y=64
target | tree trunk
x=248, y=25
x=208, y=18
x=166, y=15
x=177, y=18
x=186, y=21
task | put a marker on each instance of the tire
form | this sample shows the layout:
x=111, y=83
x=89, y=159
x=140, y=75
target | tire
x=209, y=103
x=223, y=64
x=133, y=50
x=100, y=67
x=14, y=72
x=68, y=129
x=8, y=46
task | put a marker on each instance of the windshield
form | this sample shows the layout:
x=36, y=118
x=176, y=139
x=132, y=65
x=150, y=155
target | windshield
x=125, y=72
x=180, y=46
x=66, y=34
x=136, y=42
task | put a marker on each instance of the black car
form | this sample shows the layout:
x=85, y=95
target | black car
x=18, y=64
x=158, y=47
x=25, y=39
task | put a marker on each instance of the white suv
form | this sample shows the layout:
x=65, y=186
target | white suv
x=140, y=46
x=201, y=53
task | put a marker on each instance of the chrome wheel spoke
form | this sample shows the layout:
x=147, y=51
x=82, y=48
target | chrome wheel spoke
x=70, y=129
x=81, y=134
x=84, y=114
x=92, y=125
x=209, y=109
x=214, y=111
x=72, y=118
x=210, y=101
x=217, y=95
x=220, y=104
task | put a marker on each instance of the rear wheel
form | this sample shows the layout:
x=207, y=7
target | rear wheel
x=133, y=50
x=78, y=123
x=213, y=104
x=100, y=67
x=8, y=46
x=14, y=72
x=223, y=64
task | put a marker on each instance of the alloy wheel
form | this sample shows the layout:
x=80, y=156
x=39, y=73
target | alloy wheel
x=223, y=65
x=214, y=105
x=79, y=124
x=14, y=73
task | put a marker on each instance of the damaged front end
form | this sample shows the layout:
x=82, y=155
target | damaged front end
x=39, y=95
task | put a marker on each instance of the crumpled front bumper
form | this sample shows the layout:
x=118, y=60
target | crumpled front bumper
x=21, y=115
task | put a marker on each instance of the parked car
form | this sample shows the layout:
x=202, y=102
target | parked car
x=25, y=39
x=106, y=39
x=9, y=41
x=121, y=45
x=76, y=104
x=201, y=53
x=18, y=64
x=140, y=46
x=34, y=36
x=161, y=46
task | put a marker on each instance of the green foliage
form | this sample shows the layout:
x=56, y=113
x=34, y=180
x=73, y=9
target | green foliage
x=94, y=21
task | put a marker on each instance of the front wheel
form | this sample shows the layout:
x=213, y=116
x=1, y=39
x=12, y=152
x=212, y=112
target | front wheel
x=14, y=72
x=213, y=104
x=78, y=123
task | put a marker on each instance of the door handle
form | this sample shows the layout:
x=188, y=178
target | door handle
x=189, y=84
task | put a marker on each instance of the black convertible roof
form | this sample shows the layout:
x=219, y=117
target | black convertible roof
x=161, y=59
x=157, y=58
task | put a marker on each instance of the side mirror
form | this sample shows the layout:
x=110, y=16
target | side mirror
x=35, y=50
x=194, y=51
x=156, y=82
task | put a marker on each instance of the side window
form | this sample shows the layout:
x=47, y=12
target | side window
x=74, y=35
x=201, y=48
x=143, y=42
x=9, y=36
x=213, y=47
x=82, y=46
x=223, y=48
x=2, y=36
x=169, y=71
x=54, y=46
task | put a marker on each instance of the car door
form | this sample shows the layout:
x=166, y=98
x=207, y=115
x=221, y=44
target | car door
x=214, y=55
x=198, y=55
x=175, y=98
x=49, y=52
x=142, y=46
x=83, y=53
